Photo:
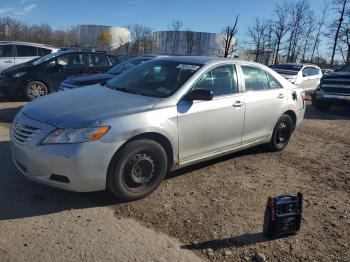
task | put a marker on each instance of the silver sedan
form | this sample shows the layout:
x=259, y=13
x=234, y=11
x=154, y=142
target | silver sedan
x=159, y=116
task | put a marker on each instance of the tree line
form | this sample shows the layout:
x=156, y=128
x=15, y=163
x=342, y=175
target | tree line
x=292, y=33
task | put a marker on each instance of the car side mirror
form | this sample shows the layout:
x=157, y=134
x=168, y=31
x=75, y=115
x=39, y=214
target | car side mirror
x=199, y=94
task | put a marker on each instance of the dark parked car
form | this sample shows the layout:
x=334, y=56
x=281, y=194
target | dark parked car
x=84, y=80
x=43, y=75
x=334, y=89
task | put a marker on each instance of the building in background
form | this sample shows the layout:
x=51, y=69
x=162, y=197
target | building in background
x=102, y=37
x=187, y=43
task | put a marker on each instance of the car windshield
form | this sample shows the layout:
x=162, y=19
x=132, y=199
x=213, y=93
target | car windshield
x=288, y=69
x=45, y=58
x=158, y=78
x=125, y=65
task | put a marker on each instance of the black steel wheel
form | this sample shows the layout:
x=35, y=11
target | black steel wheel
x=281, y=133
x=137, y=169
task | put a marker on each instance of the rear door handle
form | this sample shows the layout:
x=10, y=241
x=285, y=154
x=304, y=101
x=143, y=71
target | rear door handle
x=8, y=61
x=280, y=96
x=238, y=104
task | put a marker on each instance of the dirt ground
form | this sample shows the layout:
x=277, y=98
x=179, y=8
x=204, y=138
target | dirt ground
x=216, y=208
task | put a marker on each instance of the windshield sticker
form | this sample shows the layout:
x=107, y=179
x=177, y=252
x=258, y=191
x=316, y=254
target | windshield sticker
x=188, y=67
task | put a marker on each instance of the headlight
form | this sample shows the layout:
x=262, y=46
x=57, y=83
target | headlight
x=19, y=74
x=74, y=135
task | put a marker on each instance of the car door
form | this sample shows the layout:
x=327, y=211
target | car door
x=208, y=127
x=7, y=58
x=25, y=53
x=265, y=101
x=67, y=65
x=307, y=82
x=98, y=63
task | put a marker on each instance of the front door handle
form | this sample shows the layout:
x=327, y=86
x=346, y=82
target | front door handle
x=8, y=61
x=280, y=96
x=238, y=104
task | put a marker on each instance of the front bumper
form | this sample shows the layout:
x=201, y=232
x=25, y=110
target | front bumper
x=332, y=97
x=12, y=86
x=85, y=165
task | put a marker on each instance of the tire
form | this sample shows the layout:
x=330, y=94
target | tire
x=321, y=105
x=137, y=169
x=35, y=89
x=281, y=133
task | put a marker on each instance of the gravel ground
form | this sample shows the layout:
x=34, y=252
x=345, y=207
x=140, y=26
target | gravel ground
x=215, y=208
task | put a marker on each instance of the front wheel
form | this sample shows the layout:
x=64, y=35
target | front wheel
x=137, y=169
x=281, y=133
x=35, y=89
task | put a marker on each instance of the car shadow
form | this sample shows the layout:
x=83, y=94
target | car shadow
x=336, y=112
x=21, y=198
x=7, y=114
x=261, y=149
x=236, y=241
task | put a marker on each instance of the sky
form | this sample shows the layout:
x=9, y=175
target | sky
x=197, y=15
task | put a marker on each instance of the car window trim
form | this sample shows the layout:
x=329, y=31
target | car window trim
x=233, y=65
x=270, y=89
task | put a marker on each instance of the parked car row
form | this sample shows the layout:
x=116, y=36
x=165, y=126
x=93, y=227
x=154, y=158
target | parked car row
x=125, y=133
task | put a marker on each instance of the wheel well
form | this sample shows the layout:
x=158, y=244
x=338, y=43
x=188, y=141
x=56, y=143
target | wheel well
x=293, y=116
x=161, y=139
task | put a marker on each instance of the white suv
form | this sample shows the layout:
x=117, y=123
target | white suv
x=305, y=76
x=13, y=52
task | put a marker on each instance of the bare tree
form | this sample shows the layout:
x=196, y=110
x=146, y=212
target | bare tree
x=174, y=28
x=280, y=27
x=141, y=38
x=308, y=36
x=320, y=25
x=299, y=12
x=256, y=37
x=227, y=45
x=340, y=8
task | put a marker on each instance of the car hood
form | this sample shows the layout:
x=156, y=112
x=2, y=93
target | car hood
x=82, y=80
x=338, y=74
x=85, y=107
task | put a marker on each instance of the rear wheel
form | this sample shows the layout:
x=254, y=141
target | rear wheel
x=281, y=133
x=137, y=169
x=35, y=89
x=321, y=105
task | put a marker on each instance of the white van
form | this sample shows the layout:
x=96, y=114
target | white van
x=14, y=52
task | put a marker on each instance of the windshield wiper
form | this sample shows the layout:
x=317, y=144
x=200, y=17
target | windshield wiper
x=126, y=90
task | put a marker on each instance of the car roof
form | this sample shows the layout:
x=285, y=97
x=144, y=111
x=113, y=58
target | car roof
x=27, y=43
x=199, y=59
x=298, y=64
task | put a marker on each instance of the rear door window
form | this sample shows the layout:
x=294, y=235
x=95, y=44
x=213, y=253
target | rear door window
x=255, y=79
x=98, y=60
x=71, y=61
x=25, y=51
x=6, y=51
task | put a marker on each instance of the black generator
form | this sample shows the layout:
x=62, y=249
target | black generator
x=283, y=215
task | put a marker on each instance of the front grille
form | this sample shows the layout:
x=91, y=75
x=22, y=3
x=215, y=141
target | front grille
x=22, y=133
